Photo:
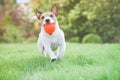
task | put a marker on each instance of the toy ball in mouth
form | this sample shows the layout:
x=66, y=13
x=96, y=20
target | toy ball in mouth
x=49, y=28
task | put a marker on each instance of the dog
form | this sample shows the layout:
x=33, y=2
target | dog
x=52, y=44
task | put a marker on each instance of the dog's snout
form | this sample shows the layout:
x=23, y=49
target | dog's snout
x=47, y=20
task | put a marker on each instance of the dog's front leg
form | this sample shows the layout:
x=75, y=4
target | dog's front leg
x=61, y=51
x=41, y=48
x=50, y=52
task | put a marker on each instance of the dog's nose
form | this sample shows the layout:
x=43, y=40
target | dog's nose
x=47, y=20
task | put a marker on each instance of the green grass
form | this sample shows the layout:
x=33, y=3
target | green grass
x=81, y=62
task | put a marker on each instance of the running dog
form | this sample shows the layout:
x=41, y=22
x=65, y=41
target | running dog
x=53, y=44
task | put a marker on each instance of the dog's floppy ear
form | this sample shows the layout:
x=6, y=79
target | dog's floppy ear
x=54, y=9
x=38, y=14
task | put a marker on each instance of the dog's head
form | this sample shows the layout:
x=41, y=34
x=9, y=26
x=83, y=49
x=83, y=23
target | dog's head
x=48, y=17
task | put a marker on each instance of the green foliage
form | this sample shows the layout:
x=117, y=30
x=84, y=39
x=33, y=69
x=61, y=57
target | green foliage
x=31, y=39
x=80, y=62
x=73, y=39
x=102, y=15
x=78, y=18
x=12, y=34
x=7, y=18
x=92, y=38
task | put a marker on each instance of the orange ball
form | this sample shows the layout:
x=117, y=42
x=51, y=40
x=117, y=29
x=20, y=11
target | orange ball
x=49, y=28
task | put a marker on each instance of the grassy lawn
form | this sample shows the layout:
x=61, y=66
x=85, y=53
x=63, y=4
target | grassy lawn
x=81, y=62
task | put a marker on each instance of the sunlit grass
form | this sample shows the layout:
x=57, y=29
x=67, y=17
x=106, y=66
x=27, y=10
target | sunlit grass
x=81, y=62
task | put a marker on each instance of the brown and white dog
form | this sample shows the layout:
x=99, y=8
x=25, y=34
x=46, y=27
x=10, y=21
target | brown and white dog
x=53, y=44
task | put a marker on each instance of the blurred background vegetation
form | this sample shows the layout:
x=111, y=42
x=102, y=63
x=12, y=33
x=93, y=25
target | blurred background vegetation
x=84, y=21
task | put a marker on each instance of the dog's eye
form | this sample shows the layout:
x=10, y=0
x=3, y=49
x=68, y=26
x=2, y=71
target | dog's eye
x=42, y=17
x=51, y=15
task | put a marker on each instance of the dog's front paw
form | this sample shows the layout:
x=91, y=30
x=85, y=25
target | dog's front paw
x=54, y=59
x=60, y=57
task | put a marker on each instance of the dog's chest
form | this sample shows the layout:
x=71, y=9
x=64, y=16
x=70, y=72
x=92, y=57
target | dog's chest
x=54, y=43
x=54, y=46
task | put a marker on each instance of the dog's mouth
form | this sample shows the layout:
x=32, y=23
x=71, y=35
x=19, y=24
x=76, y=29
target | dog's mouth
x=50, y=34
x=48, y=22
